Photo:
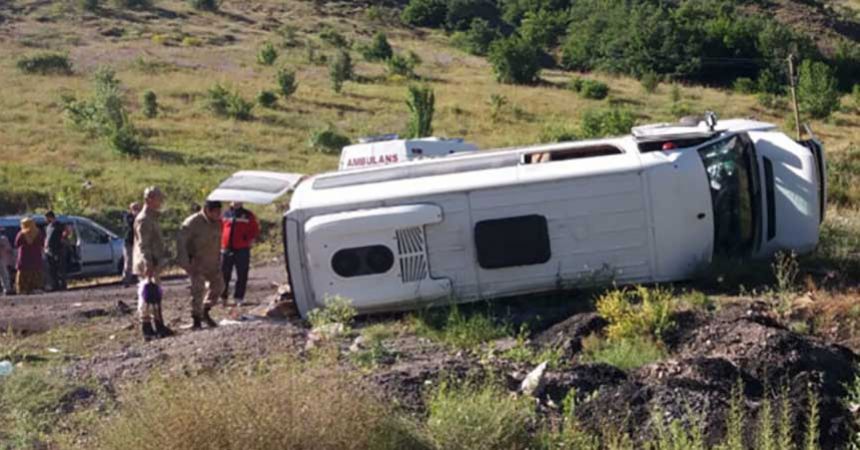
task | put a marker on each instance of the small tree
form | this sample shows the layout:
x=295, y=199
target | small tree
x=286, y=82
x=150, y=104
x=379, y=49
x=205, y=5
x=401, y=65
x=104, y=114
x=340, y=70
x=816, y=87
x=515, y=60
x=225, y=103
x=421, y=103
x=425, y=13
x=267, y=99
x=267, y=54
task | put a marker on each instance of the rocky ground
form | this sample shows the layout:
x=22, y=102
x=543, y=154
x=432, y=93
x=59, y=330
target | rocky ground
x=710, y=353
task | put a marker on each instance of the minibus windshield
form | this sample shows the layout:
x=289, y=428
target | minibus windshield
x=730, y=165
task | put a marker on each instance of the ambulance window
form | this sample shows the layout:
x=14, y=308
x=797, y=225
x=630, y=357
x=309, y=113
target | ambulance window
x=359, y=261
x=512, y=241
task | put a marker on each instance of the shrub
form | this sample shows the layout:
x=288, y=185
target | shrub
x=458, y=329
x=605, y=122
x=104, y=114
x=425, y=13
x=286, y=82
x=379, y=49
x=557, y=132
x=460, y=13
x=626, y=354
x=479, y=417
x=649, y=81
x=205, y=5
x=45, y=64
x=226, y=103
x=267, y=99
x=267, y=54
x=399, y=65
x=133, y=4
x=340, y=70
x=514, y=61
x=542, y=28
x=421, y=102
x=328, y=140
x=150, y=104
x=637, y=313
x=89, y=5
x=593, y=89
x=817, y=90
x=744, y=85
x=477, y=39
x=855, y=97
x=332, y=37
x=337, y=310
x=497, y=105
x=306, y=406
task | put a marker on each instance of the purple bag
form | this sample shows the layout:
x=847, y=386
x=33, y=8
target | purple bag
x=150, y=292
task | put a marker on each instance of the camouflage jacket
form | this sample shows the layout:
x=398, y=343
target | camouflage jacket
x=199, y=243
x=149, y=250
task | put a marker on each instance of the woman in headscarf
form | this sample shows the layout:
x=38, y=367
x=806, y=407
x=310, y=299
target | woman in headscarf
x=29, y=243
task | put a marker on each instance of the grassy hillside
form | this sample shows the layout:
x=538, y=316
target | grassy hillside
x=179, y=53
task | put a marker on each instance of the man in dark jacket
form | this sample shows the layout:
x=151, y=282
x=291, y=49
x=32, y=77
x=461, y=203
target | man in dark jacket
x=55, y=250
x=128, y=277
x=239, y=230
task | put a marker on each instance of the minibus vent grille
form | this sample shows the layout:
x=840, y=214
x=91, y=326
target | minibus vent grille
x=413, y=262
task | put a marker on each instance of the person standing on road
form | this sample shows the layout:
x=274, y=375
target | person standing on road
x=128, y=247
x=149, y=256
x=198, y=253
x=29, y=243
x=55, y=250
x=6, y=262
x=238, y=232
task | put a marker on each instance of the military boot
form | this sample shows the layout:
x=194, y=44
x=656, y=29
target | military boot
x=148, y=332
x=208, y=319
x=196, y=325
x=162, y=329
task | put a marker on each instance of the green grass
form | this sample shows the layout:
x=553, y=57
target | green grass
x=480, y=416
x=460, y=329
x=624, y=353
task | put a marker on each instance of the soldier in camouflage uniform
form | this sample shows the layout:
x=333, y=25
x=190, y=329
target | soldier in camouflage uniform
x=199, y=248
x=150, y=256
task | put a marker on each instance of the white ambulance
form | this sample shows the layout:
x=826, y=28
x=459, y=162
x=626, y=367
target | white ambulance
x=390, y=149
x=652, y=206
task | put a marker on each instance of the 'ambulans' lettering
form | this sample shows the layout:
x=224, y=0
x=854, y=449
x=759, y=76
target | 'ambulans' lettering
x=372, y=160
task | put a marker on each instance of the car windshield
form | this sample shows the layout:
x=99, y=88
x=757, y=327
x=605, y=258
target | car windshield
x=731, y=169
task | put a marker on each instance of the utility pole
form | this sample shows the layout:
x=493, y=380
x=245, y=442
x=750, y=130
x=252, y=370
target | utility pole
x=791, y=80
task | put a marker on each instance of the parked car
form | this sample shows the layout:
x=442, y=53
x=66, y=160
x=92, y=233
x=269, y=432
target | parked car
x=97, y=251
x=652, y=206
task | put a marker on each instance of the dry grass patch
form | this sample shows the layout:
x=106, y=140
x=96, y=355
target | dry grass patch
x=298, y=406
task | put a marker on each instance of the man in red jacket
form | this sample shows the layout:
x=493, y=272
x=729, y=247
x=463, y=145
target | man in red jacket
x=239, y=230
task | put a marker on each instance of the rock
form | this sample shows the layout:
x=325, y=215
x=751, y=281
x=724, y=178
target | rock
x=357, y=345
x=279, y=310
x=329, y=330
x=504, y=344
x=533, y=383
x=567, y=335
x=122, y=309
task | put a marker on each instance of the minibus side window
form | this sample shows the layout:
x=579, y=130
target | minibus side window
x=512, y=241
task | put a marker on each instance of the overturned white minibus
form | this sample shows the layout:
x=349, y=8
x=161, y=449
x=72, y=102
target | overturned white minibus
x=653, y=206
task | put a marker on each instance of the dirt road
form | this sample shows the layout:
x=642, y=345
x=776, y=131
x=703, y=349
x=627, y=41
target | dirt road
x=41, y=312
